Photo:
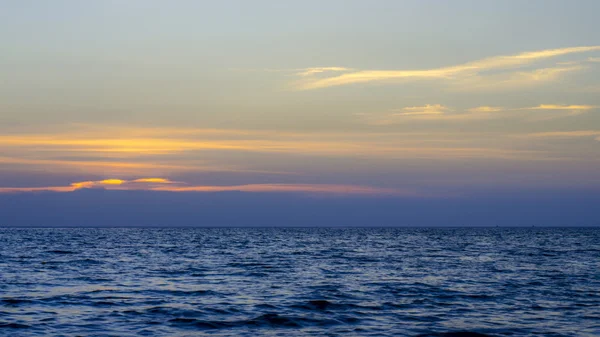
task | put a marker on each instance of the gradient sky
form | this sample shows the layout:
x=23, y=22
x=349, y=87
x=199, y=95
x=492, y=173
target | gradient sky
x=350, y=103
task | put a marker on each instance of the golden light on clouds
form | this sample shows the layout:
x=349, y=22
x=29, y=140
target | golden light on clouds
x=485, y=109
x=409, y=129
x=89, y=164
x=112, y=182
x=340, y=100
x=438, y=112
x=162, y=152
x=429, y=109
x=154, y=184
x=467, y=75
x=562, y=107
x=297, y=188
x=318, y=70
x=153, y=180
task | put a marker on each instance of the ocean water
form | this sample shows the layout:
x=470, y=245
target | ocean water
x=300, y=282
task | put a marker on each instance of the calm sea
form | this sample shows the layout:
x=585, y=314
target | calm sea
x=300, y=282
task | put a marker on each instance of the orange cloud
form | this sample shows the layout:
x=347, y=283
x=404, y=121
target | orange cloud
x=153, y=180
x=111, y=182
x=303, y=188
x=38, y=189
x=129, y=168
x=154, y=147
x=118, y=184
x=83, y=184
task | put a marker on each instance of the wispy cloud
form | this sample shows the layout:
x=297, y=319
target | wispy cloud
x=110, y=184
x=98, y=166
x=156, y=151
x=153, y=180
x=298, y=71
x=427, y=110
x=438, y=112
x=565, y=134
x=165, y=185
x=561, y=107
x=471, y=71
x=564, y=110
x=319, y=70
x=485, y=109
x=507, y=80
x=293, y=188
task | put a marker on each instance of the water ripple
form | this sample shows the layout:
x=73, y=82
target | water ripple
x=300, y=282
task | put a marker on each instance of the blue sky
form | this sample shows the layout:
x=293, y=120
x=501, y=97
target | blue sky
x=396, y=101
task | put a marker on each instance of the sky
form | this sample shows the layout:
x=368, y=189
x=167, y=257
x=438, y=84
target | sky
x=362, y=113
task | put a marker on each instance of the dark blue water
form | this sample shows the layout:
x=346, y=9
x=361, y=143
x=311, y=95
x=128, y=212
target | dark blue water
x=299, y=282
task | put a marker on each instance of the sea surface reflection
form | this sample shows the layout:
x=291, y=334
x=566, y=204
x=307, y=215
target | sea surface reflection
x=300, y=282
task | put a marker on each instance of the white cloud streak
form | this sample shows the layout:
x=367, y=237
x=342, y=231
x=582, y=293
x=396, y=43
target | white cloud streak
x=438, y=112
x=471, y=71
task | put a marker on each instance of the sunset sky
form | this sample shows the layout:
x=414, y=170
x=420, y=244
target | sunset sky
x=343, y=102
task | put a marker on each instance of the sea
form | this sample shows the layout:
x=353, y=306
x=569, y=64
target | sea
x=448, y=282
